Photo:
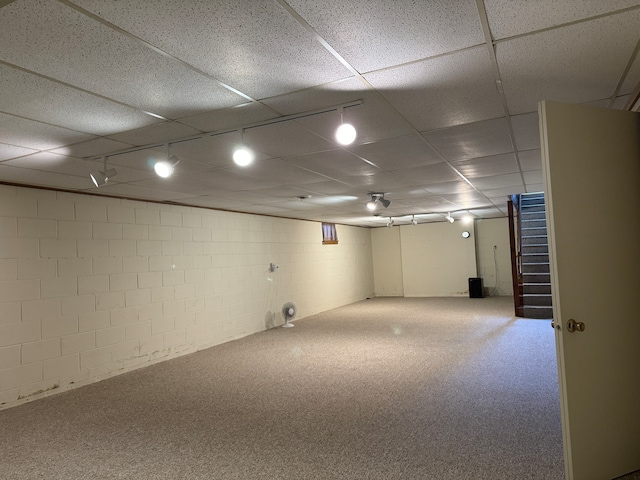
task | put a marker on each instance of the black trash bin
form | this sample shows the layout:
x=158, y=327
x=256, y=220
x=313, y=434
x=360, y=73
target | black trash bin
x=476, y=290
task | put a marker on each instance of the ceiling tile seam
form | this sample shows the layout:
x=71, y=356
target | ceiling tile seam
x=424, y=59
x=9, y=114
x=623, y=77
x=155, y=49
x=486, y=29
x=568, y=24
x=80, y=89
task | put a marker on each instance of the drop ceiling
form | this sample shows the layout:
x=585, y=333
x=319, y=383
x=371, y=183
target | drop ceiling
x=447, y=94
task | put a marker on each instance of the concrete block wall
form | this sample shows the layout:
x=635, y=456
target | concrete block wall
x=93, y=286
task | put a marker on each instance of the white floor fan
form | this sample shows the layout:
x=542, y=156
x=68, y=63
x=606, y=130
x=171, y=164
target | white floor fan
x=288, y=312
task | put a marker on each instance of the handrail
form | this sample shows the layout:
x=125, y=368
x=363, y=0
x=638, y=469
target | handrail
x=516, y=257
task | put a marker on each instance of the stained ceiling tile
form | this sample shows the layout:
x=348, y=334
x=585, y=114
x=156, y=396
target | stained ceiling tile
x=453, y=89
x=526, y=131
x=472, y=140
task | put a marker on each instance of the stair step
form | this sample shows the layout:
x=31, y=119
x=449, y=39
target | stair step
x=536, y=278
x=536, y=288
x=538, y=312
x=533, y=223
x=534, y=240
x=541, y=267
x=536, y=300
x=533, y=232
x=534, y=249
x=535, y=258
x=532, y=208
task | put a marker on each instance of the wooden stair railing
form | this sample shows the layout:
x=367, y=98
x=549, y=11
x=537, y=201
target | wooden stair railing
x=516, y=255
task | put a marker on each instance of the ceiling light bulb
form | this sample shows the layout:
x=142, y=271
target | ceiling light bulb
x=371, y=204
x=345, y=134
x=163, y=168
x=243, y=156
x=467, y=219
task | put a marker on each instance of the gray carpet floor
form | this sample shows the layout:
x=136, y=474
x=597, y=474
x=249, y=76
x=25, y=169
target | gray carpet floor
x=387, y=388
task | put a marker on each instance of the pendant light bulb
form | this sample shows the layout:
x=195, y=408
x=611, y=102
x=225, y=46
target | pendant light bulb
x=372, y=204
x=242, y=155
x=346, y=133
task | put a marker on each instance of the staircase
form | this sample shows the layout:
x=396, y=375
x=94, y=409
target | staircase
x=534, y=253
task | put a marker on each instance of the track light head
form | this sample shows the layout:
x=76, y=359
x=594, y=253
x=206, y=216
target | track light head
x=165, y=168
x=377, y=198
x=101, y=178
x=390, y=222
x=243, y=156
x=449, y=218
x=413, y=220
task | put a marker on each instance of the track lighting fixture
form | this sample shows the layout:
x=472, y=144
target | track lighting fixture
x=449, y=218
x=242, y=156
x=377, y=198
x=346, y=133
x=165, y=168
x=101, y=178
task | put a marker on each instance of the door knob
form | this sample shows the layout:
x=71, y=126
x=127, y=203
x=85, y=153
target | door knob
x=573, y=326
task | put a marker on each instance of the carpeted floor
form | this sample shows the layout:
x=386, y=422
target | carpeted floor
x=388, y=388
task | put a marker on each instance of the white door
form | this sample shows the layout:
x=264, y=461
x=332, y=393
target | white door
x=591, y=166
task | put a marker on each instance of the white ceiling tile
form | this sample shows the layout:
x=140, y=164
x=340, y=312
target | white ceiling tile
x=285, y=139
x=535, y=187
x=498, y=181
x=11, y=151
x=378, y=182
x=487, y=166
x=52, y=162
x=209, y=201
x=278, y=172
x=231, y=117
x=632, y=79
x=145, y=160
x=27, y=176
x=427, y=175
x=395, y=32
x=334, y=164
x=54, y=40
x=39, y=136
x=50, y=102
x=489, y=212
x=284, y=191
x=533, y=177
x=479, y=139
x=575, y=64
x=158, y=133
x=398, y=152
x=258, y=48
x=530, y=160
x=332, y=187
x=457, y=186
x=453, y=89
x=374, y=119
x=214, y=150
x=526, y=131
x=136, y=191
x=515, y=17
x=92, y=148
x=265, y=210
x=493, y=193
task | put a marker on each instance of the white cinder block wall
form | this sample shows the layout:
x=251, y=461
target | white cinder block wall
x=92, y=286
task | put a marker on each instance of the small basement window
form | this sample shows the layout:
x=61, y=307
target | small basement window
x=329, y=235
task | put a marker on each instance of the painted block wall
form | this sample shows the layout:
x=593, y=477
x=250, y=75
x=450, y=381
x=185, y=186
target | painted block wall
x=92, y=286
x=489, y=233
x=387, y=262
x=436, y=260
